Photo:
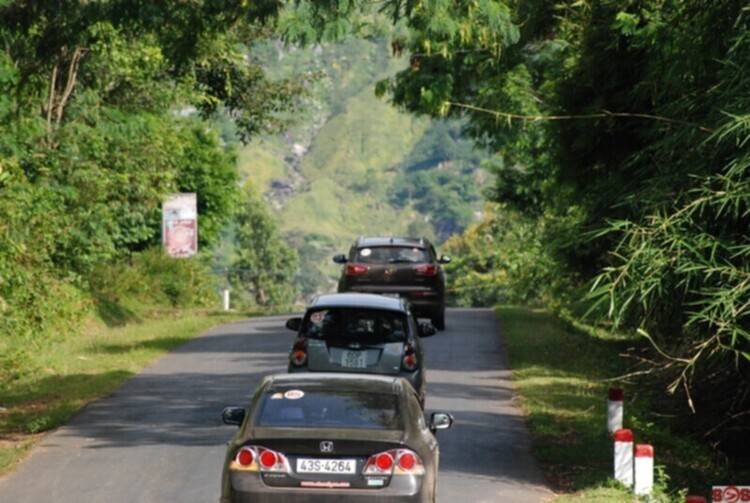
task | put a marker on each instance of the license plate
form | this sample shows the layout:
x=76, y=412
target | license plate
x=308, y=465
x=354, y=359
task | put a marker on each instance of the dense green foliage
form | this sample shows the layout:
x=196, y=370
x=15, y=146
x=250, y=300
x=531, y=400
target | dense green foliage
x=107, y=107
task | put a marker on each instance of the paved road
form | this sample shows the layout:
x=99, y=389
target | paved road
x=159, y=438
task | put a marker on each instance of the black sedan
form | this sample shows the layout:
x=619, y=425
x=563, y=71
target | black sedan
x=333, y=438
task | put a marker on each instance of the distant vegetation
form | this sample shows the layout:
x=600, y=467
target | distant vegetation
x=354, y=165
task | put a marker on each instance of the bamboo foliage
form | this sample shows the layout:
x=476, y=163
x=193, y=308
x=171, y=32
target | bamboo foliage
x=683, y=278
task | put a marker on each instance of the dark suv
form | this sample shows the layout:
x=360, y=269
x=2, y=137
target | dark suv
x=403, y=267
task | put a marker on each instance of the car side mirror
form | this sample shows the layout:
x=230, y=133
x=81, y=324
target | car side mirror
x=444, y=259
x=339, y=259
x=233, y=415
x=293, y=323
x=427, y=329
x=440, y=421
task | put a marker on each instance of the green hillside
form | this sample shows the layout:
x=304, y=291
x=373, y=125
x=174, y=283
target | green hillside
x=354, y=165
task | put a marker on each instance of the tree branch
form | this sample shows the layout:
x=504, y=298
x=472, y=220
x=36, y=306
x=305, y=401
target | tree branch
x=604, y=113
x=75, y=61
x=51, y=102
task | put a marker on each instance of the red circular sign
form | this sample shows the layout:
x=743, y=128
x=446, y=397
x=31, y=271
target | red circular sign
x=731, y=494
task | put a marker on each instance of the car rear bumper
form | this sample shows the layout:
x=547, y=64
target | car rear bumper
x=405, y=488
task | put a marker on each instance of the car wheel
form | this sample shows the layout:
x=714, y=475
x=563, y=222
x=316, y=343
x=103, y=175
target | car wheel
x=439, y=320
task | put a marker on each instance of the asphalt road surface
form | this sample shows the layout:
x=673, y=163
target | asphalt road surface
x=159, y=437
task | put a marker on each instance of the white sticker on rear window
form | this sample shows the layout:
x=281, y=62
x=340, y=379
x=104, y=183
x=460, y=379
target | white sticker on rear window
x=365, y=252
x=277, y=396
x=294, y=394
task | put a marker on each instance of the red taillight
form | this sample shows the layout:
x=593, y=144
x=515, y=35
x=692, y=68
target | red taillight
x=426, y=270
x=404, y=461
x=272, y=461
x=298, y=355
x=407, y=461
x=356, y=269
x=409, y=361
x=384, y=462
x=245, y=457
x=268, y=459
x=253, y=458
x=380, y=464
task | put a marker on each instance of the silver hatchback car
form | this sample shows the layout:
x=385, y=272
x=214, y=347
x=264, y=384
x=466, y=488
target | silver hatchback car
x=360, y=333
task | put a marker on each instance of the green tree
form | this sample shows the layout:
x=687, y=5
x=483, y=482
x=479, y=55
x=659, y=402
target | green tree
x=264, y=266
x=108, y=106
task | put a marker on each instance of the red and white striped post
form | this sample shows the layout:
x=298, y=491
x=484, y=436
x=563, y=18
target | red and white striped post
x=624, y=457
x=615, y=400
x=644, y=469
x=695, y=499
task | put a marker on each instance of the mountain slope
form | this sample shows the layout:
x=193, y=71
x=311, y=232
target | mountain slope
x=354, y=165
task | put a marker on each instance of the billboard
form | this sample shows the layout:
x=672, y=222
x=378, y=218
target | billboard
x=180, y=225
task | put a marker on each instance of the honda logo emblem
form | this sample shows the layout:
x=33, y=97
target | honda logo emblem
x=326, y=446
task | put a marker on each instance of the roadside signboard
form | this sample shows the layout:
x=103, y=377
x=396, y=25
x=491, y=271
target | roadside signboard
x=180, y=225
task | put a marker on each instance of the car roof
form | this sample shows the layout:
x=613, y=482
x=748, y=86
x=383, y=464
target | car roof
x=367, y=300
x=364, y=242
x=339, y=381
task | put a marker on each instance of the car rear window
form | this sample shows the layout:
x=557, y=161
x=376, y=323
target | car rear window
x=392, y=255
x=296, y=408
x=374, y=325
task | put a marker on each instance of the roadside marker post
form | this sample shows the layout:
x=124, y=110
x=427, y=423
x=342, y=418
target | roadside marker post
x=624, y=457
x=644, y=469
x=615, y=401
x=225, y=299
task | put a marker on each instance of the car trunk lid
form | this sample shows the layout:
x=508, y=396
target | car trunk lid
x=354, y=356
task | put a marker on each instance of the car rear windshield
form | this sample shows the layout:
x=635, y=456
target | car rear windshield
x=319, y=408
x=392, y=255
x=361, y=324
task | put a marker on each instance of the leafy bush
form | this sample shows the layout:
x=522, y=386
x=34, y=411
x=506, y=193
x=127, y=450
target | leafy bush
x=151, y=280
x=502, y=259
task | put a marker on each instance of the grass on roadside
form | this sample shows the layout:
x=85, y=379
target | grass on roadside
x=562, y=375
x=69, y=373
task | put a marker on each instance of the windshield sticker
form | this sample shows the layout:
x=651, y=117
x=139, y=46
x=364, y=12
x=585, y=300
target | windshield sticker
x=365, y=252
x=294, y=394
x=277, y=396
